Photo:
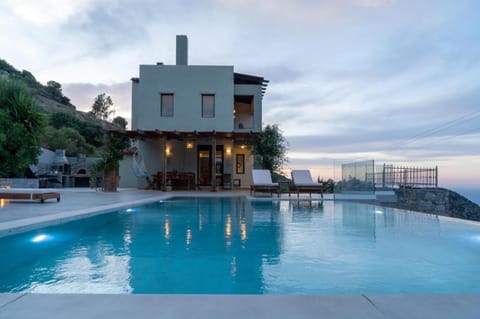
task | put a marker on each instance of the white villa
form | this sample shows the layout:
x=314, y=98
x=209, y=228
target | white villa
x=194, y=122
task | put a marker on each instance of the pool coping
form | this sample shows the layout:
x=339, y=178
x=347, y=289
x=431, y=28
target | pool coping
x=74, y=306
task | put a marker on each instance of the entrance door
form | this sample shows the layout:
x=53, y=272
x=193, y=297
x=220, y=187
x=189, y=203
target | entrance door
x=204, y=169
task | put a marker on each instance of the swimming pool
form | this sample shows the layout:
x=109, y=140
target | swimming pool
x=236, y=246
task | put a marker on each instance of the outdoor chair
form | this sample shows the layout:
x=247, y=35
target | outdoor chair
x=262, y=182
x=302, y=182
x=29, y=194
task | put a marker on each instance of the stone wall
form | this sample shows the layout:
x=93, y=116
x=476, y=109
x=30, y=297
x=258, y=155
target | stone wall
x=19, y=182
x=461, y=207
x=439, y=201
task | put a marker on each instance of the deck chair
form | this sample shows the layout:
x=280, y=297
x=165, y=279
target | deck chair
x=302, y=182
x=262, y=182
x=40, y=194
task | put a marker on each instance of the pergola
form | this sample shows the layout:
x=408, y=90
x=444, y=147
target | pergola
x=239, y=138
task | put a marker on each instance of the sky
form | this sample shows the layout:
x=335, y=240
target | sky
x=396, y=81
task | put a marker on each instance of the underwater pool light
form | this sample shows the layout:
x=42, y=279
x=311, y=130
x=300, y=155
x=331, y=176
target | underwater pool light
x=39, y=238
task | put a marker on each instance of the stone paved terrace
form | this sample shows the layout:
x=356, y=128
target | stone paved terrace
x=76, y=202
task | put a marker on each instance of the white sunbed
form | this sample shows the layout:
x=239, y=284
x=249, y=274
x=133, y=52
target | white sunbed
x=302, y=182
x=262, y=182
x=40, y=194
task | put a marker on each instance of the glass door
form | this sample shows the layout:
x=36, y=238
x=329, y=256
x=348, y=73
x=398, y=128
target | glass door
x=204, y=165
x=219, y=165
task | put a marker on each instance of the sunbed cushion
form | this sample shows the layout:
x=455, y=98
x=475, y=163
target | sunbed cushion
x=262, y=177
x=302, y=178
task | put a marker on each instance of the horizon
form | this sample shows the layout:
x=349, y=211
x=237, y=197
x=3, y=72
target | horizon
x=352, y=80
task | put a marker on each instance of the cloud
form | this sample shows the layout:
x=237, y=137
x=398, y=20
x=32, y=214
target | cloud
x=47, y=12
x=82, y=96
x=300, y=13
x=374, y=3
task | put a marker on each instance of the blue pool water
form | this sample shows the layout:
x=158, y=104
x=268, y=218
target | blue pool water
x=233, y=246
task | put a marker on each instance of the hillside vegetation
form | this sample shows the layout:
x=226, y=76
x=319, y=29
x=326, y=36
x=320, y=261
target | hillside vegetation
x=67, y=128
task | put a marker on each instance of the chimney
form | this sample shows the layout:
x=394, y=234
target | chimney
x=182, y=50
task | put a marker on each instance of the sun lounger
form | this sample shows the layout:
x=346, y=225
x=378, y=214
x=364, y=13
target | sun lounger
x=262, y=182
x=302, y=182
x=40, y=194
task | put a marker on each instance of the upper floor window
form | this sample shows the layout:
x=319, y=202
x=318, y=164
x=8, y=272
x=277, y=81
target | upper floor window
x=166, y=104
x=208, y=105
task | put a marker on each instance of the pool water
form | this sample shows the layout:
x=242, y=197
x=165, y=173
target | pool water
x=236, y=246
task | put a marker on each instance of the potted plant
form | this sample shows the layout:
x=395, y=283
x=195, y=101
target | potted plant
x=109, y=163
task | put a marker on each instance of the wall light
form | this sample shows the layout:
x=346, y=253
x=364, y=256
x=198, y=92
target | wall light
x=189, y=145
x=242, y=146
x=228, y=151
x=168, y=151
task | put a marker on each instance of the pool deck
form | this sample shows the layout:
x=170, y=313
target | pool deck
x=17, y=215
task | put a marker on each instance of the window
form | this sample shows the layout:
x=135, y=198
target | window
x=208, y=105
x=240, y=159
x=166, y=105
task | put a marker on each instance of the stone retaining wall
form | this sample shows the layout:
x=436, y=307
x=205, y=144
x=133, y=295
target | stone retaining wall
x=439, y=201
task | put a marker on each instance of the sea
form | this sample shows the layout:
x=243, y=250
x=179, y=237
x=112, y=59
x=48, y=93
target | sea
x=472, y=193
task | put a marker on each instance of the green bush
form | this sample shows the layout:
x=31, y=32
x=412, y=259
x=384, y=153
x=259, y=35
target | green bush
x=90, y=131
x=21, y=126
x=69, y=139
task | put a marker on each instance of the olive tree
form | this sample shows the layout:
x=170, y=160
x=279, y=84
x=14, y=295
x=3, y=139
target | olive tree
x=102, y=107
x=270, y=148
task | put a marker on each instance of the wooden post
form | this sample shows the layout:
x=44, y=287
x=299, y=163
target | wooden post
x=214, y=163
x=164, y=168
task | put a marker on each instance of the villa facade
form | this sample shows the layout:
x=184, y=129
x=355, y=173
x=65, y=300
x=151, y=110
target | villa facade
x=195, y=122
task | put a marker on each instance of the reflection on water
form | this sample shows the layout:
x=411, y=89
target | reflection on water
x=305, y=210
x=226, y=245
x=357, y=221
x=231, y=246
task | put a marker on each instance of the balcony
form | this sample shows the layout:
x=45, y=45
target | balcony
x=243, y=113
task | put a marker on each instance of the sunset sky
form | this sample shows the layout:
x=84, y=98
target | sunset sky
x=390, y=80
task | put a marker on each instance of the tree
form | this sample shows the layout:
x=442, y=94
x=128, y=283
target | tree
x=67, y=138
x=269, y=148
x=102, y=107
x=92, y=132
x=21, y=125
x=63, y=119
x=55, y=89
x=120, y=121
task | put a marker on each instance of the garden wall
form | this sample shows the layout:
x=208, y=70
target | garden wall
x=19, y=182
